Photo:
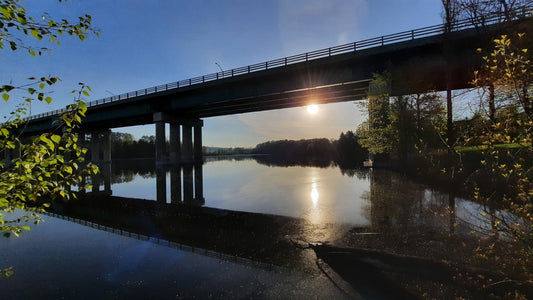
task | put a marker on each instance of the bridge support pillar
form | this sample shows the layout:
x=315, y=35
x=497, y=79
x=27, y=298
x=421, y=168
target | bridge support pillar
x=175, y=143
x=198, y=144
x=160, y=142
x=95, y=146
x=183, y=149
x=100, y=145
x=187, y=144
x=106, y=145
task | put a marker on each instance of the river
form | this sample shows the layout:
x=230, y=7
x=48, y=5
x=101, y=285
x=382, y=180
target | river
x=233, y=227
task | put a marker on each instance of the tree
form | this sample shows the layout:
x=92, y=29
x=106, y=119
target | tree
x=402, y=124
x=505, y=175
x=377, y=134
x=349, y=151
x=46, y=166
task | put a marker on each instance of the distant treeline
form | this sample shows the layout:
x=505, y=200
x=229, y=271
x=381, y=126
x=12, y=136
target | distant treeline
x=346, y=152
x=123, y=145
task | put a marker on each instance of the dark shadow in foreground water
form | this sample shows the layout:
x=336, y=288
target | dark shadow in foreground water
x=258, y=237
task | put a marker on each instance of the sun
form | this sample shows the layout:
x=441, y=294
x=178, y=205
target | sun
x=312, y=109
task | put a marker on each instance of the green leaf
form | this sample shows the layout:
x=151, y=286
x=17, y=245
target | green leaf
x=5, y=96
x=35, y=33
x=6, y=88
x=56, y=138
x=48, y=100
x=41, y=86
x=32, y=53
x=68, y=169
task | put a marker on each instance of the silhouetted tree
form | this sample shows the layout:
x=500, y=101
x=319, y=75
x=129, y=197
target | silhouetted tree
x=350, y=153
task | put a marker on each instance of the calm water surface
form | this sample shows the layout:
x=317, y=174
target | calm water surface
x=231, y=228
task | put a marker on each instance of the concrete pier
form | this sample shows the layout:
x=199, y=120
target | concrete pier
x=100, y=145
x=183, y=148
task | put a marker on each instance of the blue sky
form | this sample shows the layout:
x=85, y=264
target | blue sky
x=148, y=43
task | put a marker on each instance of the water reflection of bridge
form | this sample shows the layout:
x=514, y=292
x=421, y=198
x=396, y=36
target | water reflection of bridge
x=166, y=243
x=394, y=202
x=186, y=183
x=241, y=237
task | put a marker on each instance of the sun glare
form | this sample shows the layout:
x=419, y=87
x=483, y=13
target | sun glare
x=312, y=109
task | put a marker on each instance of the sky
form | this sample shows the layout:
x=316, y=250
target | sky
x=148, y=43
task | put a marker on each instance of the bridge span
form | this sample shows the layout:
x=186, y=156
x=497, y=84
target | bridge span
x=418, y=60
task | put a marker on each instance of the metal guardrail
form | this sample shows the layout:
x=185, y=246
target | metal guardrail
x=491, y=19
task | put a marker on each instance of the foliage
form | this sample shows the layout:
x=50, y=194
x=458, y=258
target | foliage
x=46, y=166
x=346, y=152
x=377, y=134
x=16, y=24
x=350, y=153
x=477, y=10
x=310, y=152
x=403, y=124
x=503, y=135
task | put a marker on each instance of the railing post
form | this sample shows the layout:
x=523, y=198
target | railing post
x=329, y=51
x=231, y=72
x=203, y=78
x=354, y=46
x=155, y=88
x=248, y=69
x=266, y=65
x=412, y=34
x=306, y=56
x=285, y=61
x=382, y=40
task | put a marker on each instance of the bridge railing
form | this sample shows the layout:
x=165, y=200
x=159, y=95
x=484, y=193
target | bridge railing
x=494, y=18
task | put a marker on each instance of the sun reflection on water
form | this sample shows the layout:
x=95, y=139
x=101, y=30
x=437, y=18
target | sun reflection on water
x=314, y=194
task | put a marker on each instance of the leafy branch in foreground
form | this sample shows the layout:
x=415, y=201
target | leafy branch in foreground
x=47, y=166
x=44, y=167
x=505, y=176
x=15, y=24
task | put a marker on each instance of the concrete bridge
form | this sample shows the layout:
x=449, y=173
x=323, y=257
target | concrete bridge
x=418, y=60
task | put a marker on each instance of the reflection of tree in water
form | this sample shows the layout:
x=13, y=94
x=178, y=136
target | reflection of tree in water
x=126, y=170
x=276, y=161
x=208, y=159
x=361, y=174
x=398, y=204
